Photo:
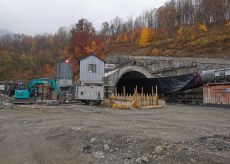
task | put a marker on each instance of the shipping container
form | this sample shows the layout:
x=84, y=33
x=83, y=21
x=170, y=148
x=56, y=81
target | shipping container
x=218, y=94
x=64, y=71
x=64, y=82
x=91, y=70
x=64, y=75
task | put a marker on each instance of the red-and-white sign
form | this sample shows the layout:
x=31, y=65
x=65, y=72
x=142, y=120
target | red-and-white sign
x=110, y=66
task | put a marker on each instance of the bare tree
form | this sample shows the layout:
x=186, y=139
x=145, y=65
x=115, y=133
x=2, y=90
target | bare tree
x=105, y=31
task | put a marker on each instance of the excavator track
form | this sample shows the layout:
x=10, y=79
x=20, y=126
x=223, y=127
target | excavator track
x=23, y=101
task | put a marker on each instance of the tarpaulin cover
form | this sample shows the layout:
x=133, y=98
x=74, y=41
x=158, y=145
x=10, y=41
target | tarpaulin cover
x=172, y=84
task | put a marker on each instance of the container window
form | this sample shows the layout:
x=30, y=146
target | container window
x=227, y=72
x=219, y=74
x=92, y=68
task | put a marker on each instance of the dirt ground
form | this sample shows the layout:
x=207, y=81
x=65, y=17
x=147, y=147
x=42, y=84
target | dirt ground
x=86, y=134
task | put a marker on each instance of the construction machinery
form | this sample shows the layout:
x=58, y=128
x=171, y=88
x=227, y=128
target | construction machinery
x=25, y=94
x=92, y=95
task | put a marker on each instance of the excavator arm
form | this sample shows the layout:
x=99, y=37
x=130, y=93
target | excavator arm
x=35, y=82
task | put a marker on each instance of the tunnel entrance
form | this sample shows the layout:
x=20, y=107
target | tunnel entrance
x=129, y=80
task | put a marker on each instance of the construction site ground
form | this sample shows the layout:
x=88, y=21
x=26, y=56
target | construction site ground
x=88, y=134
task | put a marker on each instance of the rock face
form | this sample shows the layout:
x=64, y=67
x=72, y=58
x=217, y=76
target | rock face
x=93, y=140
x=142, y=159
x=6, y=105
x=145, y=159
x=138, y=160
x=106, y=147
x=87, y=149
x=159, y=149
x=99, y=155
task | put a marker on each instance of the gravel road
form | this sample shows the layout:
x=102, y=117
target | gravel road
x=87, y=134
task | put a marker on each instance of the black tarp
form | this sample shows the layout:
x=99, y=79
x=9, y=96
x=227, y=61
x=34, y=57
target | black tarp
x=172, y=84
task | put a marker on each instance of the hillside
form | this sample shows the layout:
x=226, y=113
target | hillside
x=218, y=49
x=170, y=30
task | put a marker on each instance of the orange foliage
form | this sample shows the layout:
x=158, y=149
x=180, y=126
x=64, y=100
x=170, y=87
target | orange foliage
x=186, y=33
x=1, y=49
x=122, y=38
x=146, y=37
x=96, y=47
x=135, y=36
x=203, y=28
x=227, y=24
x=161, y=34
x=46, y=68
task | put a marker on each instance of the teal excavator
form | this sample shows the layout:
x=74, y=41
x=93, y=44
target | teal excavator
x=25, y=94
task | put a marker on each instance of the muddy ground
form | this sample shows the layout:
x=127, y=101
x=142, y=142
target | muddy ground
x=86, y=134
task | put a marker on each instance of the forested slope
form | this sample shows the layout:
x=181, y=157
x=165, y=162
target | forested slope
x=194, y=28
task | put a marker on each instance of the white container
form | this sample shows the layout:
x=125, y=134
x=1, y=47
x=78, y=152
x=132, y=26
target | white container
x=90, y=93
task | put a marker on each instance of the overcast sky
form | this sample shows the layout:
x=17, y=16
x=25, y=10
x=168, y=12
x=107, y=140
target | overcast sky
x=40, y=16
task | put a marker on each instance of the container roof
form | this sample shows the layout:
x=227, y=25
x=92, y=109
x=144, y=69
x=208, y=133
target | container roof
x=94, y=56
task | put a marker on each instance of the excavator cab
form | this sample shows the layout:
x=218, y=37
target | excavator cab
x=22, y=92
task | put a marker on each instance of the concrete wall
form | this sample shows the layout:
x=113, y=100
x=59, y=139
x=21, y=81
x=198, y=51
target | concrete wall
x=171, y=66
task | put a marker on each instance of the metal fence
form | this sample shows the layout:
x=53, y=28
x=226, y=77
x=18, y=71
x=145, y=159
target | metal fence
x=216, y=94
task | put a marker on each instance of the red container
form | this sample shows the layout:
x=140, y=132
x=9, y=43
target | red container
x=217, y=94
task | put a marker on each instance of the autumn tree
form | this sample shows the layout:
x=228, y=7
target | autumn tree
x=122, y=38
x=135, y=36
x=146, y=36
x=186, y=33
x=84, y=42
x=82, y=35
x=202, y=28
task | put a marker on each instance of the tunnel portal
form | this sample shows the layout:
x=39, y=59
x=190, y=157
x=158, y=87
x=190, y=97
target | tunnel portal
x=130, y=80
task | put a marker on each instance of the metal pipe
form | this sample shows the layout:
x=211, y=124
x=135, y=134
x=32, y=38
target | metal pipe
x=210, y=76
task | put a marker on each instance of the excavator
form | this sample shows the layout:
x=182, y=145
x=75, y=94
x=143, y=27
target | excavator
x=25, y=94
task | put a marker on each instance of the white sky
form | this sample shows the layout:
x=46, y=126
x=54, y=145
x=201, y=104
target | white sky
x=40, y=16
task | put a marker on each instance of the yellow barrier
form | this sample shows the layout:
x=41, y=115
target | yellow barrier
x=136, y=101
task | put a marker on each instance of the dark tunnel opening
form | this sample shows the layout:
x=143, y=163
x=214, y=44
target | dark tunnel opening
x=130, y=80
x=171, y=88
